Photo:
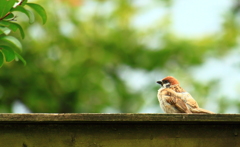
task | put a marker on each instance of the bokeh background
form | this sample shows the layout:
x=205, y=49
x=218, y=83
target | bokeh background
x=104, y=56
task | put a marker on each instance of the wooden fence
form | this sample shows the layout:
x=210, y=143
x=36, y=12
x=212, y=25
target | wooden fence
x=119, y=130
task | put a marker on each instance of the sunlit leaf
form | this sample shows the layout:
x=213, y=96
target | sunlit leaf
x=1, y=59
x=25, y=11
x=40, y=10
x=20, y=58
x=5, y=6
x=8, y=53
x=12, y=41
x=5, y=30
x=13, y=26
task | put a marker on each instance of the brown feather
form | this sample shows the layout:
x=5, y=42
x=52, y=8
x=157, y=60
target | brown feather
x=177, y=88
x=176, y=102
x=194, y=108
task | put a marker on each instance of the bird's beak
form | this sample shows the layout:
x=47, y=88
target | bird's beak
x=160, y=82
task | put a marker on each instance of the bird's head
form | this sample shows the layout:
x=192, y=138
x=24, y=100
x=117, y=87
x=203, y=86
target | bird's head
x=168, y=81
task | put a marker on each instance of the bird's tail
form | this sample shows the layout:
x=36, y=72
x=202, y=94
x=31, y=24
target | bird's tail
x=200, y=110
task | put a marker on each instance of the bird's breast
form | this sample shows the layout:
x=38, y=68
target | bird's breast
x=165, y=106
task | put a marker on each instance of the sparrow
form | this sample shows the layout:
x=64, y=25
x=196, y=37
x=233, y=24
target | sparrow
x=174, y=99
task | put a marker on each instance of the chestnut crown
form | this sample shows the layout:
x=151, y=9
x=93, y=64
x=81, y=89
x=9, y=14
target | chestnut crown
x=171, y=80
x=168, y=81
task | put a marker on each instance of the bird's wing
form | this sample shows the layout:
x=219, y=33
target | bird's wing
x=186, y=97
x=200, y=110
x=175, y=101
x=189, y=100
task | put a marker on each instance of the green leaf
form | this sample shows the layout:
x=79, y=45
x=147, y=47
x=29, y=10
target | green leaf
x=5, y=30
x=10, y=16
x=40, y=10
x=12, y=41
x=8, y=53
x=1, y=59
x=13, y=26
x=20, y=58
x=4, y=23
x=5, y=6
x=25, y=11
x=24, y=2
x=19, y=27
x=1, y=32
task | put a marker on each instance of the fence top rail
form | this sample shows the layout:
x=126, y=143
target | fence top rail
x=117, y=117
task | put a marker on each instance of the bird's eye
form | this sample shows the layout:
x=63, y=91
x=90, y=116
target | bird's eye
x=165, y=81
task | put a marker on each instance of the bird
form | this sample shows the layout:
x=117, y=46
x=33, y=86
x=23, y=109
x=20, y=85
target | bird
x=174, y=99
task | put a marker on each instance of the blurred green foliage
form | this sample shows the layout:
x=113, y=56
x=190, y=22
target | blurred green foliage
x=81, y=61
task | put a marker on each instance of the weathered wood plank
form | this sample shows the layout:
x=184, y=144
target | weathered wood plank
x=119, y=130
x=122, y=117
